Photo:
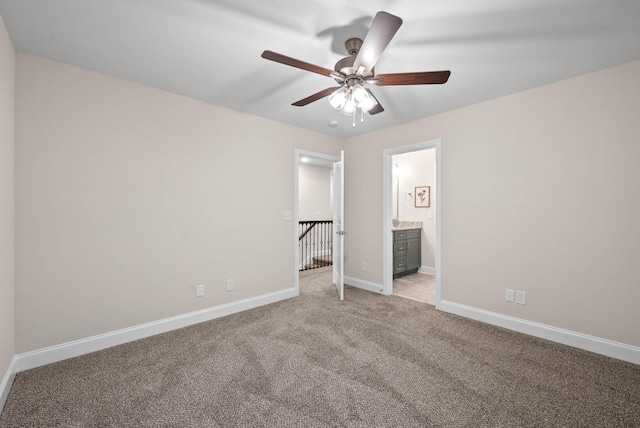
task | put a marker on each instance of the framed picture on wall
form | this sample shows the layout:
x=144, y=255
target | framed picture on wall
x=423, y=197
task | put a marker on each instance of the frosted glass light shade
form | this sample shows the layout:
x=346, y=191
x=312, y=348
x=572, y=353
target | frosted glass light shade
x=349, y=108
x=362, y=98
x=368, y=103
x=339, y=98
x=359, y=95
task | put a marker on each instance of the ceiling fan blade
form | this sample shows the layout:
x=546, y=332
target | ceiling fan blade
x=314, y=97
x=420, y=78
x=283, y=59
x=382, y=30
x=378, y=107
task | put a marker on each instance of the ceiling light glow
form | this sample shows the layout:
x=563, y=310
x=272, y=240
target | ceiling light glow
x=351, y=97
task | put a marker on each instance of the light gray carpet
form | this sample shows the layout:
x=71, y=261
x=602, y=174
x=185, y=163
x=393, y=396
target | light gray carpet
x=312, y=361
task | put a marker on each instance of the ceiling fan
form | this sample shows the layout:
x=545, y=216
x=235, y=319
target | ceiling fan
x=356, y=71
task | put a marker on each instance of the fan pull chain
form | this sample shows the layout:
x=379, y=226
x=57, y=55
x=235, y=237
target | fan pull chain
x=361, y=117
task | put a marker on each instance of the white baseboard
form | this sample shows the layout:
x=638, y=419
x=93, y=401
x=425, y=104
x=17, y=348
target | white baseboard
x=427, y=269
x=606, y=347
x=361, y=283
x=52, y=354
x=7, y=381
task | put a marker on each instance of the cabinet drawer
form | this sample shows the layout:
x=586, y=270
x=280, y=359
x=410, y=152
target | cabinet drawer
x=399, y=248
x=399, y=264
x=406, y=234
x=399, y=235
x=414, y=233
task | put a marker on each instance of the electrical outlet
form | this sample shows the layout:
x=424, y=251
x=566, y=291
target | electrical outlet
x=230, y=284
x=521, y=297
x=199, y=290
x=509, y=295
x=364, y=266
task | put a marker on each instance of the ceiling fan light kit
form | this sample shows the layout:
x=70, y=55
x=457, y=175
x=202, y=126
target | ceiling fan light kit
x=350, y=97
x=356, y=71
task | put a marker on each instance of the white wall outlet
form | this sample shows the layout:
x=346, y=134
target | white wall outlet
x=230, y=284
x=364, y=266
x=509, y=295
x=287, y=215
x=521, y=297
x=199, y=290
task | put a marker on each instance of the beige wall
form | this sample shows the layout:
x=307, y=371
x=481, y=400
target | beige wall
x=128, y=197
x=314, y=193
x=7, y=278
x=538, y=194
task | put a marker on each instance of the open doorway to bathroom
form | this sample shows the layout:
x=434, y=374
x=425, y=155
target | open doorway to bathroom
x=413, y=225
x=412, y=221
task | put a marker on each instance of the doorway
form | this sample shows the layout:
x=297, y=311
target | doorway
x=398, y=196
x=413, y=199
x=317, y=207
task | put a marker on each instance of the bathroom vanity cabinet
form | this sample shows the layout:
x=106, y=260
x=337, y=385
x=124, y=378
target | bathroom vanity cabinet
x=406, y=252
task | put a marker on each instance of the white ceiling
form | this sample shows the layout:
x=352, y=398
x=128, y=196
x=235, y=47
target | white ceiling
x=210, y=50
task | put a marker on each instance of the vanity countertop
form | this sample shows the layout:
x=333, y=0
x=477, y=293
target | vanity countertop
x=405, y=225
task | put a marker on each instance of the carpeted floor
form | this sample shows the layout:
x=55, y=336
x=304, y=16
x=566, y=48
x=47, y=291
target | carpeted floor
x=312, y=361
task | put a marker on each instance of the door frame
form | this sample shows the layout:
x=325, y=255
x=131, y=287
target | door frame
x=387, y=213
x=338, y=225
x=298, y=155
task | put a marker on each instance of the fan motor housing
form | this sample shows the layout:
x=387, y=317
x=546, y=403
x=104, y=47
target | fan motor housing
x=345, y=65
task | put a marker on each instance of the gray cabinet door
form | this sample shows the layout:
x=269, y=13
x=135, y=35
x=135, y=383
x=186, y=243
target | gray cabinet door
x=413, y=253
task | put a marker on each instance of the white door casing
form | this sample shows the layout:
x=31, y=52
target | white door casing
x=338, y=225
x=387, y=213
x=322, y=159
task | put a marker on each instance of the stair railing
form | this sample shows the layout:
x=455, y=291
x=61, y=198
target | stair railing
x=315, y=244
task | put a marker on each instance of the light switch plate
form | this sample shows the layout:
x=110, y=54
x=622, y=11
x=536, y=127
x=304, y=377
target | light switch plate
x=521, y=297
